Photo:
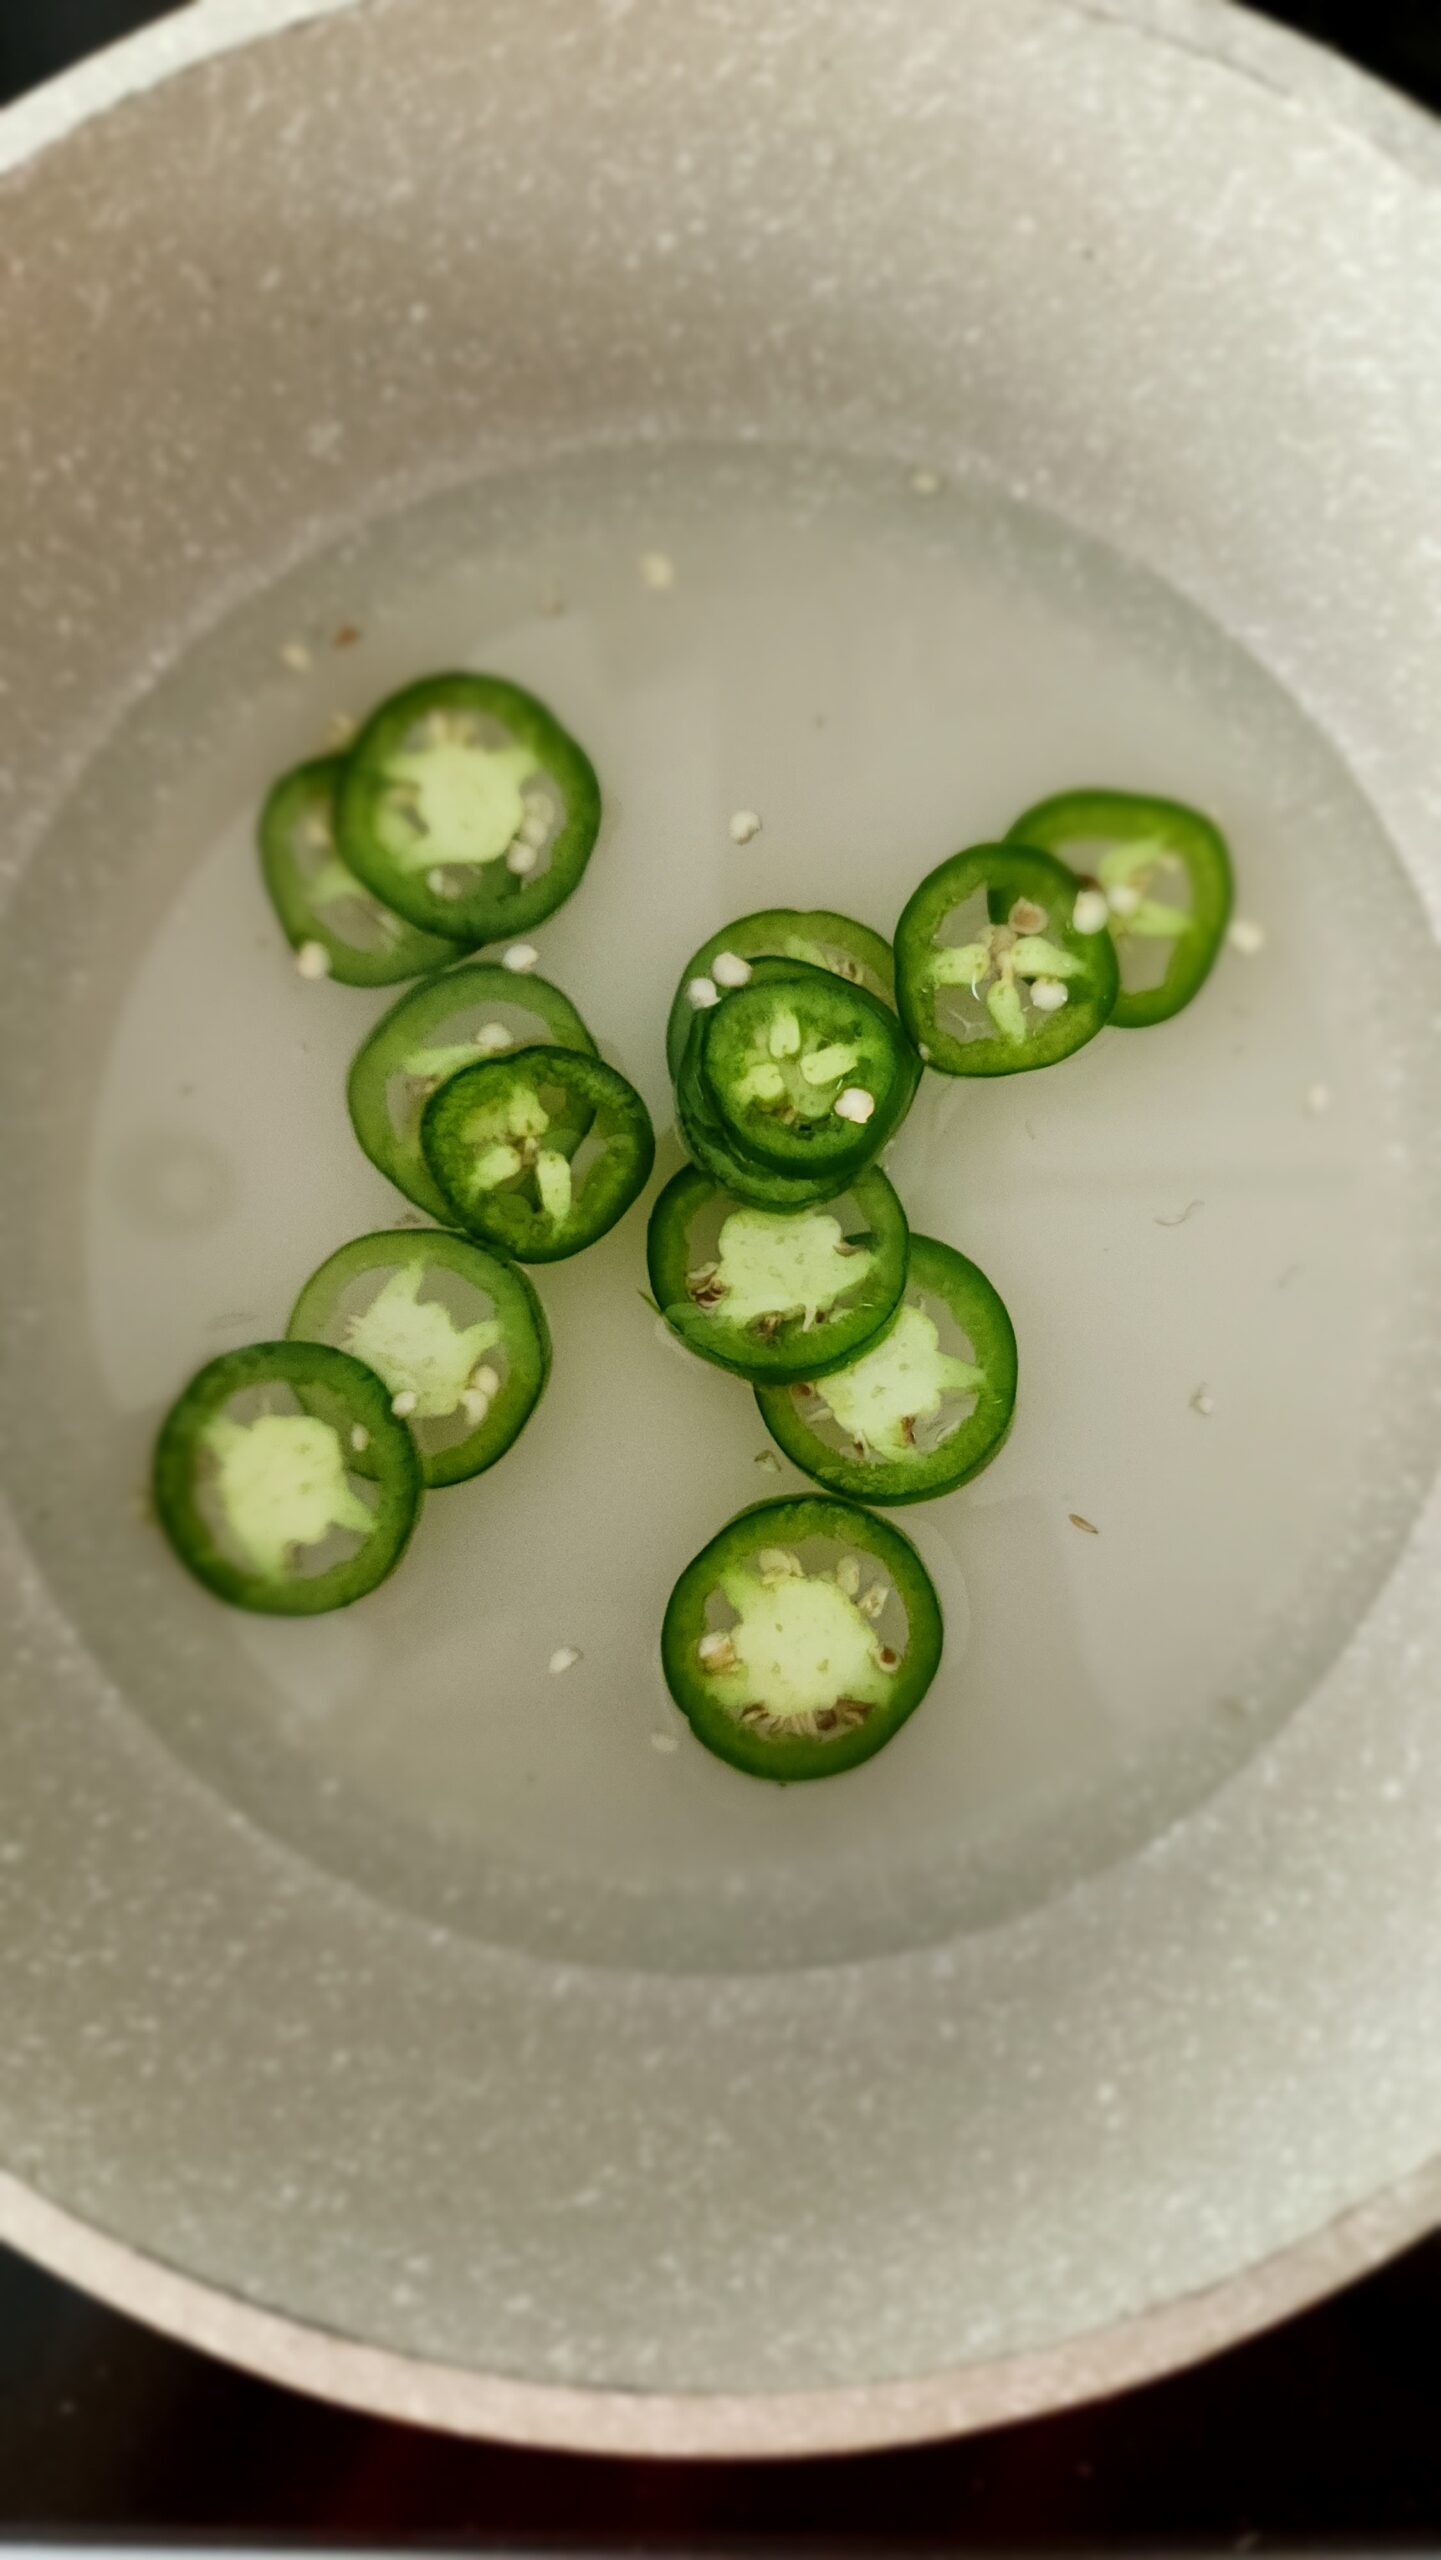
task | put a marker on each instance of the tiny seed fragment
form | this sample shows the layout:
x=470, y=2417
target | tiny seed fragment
x=359, y=1437
x=565, y=1657
x=729, y=970
x=872, y=1602
x=744, y=824
x=702, y=993
x=1077, y=1522
x=1247, y=937
x=717, y=1652
x=404, y=1404
x=1049, y=994
x=521, y=859
x=520, y=957
x=1124, y=899
x=1090, y=911
x=1027, y=917
x=854, y=1104
x=312, y=960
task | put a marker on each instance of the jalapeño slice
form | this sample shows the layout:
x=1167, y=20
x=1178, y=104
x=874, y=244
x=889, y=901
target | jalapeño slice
x=497, y=1140
x=775, y=1295
x=258, y=1485
x=924, y=1406
x=798, y=1641
x=1158, y=876
x=803, y=1073
x=457, y=1336
x=479, y=1010
x=992, y=974
x=823, y=940
x=467, y=807
x=318, y=897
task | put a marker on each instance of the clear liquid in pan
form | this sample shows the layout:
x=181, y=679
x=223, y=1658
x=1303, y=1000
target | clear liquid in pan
x=1205, y=1234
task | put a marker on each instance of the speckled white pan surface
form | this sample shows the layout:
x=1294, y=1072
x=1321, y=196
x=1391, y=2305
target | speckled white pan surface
x=374, y=2012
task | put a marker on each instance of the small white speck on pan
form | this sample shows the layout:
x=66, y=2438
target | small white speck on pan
x=925, y=482
x=665, y=1742
x=1246, y=936
x=313, y=960
x=520, y=957
x=565, y=1658
x=744, y=824
x=1318, y=1099
x=1203, y=1402
x=657, y=570
x=296, y=657
x=767, y=1458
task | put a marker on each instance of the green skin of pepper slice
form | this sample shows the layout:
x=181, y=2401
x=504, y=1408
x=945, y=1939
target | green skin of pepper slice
x=1000, y=876
x=515, y=1104
x=412, y=1343
x=436, y=784
x=710, y=1143
x=774, y=1056
x=316, y=895
x=730, y=1565
x=1116, y=829
x=434, y=1027
x=812, y=934
x=937, y=1273
x=329, y=1396
x=870, y=1214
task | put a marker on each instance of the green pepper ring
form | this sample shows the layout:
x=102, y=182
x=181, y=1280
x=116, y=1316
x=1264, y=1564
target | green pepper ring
x=797, y=1354
x=318, y=1377
x=305, y=793
x=1024, y=872
x=1199, y=845
x=767, y=935
x=935, y=1270
x=525, y=1340
x=382, y=1053
x=788, y=1520
x=508, y=1222
x=513, y=905
x=832, y=1145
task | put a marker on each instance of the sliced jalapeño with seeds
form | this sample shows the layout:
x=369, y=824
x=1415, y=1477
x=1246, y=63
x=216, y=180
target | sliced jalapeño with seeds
x=479, y=1010
x=457, y=1335
x=318, y=898
x=1157, y=878
x=467, y=807
x=774, y=1295
x=798, y=1642
x=823, y=940
x=259, y=1485
x=993, y=975
x=805, y=1073
x=924, y=1406
x=498, y=1141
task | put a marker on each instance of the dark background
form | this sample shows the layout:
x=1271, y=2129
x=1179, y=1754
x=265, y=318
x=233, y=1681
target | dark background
x=1400, y=39
x=1328, y=2431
